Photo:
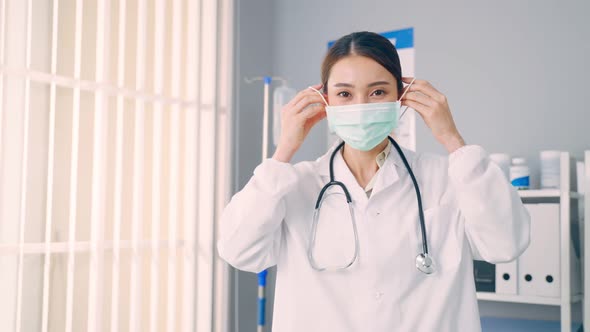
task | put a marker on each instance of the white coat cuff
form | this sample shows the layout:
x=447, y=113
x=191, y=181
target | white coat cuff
x=275, y=177
x=466, y=162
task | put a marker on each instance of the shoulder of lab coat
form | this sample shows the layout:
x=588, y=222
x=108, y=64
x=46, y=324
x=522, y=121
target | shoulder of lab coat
x=250, y=226
x=497, y=224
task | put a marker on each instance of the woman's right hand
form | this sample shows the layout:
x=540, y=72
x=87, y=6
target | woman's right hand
x=297, y=119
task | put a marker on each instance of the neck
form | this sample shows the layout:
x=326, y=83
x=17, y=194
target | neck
x=362, y=163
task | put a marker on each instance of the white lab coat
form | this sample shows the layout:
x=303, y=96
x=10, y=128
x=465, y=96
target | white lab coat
x=471, y=211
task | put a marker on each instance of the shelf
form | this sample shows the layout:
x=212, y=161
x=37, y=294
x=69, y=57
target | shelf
x=546, y=193
x=554, y=301
x=577, y=195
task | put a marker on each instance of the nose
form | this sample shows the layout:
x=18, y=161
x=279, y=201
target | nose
x=361, y=99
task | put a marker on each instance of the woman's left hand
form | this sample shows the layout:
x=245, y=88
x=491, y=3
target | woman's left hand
x=434, y=109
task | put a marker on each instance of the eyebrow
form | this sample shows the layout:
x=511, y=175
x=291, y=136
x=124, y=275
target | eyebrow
x=348, y=85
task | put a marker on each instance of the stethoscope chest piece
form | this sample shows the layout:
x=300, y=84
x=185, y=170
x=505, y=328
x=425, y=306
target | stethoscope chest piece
x=425, y=263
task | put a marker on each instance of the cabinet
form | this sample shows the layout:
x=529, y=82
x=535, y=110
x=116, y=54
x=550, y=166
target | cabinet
x=569, y=224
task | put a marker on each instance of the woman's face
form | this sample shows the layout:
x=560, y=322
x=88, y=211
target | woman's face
x=358, y=80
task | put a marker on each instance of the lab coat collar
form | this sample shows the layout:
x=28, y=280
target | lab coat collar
x=386, y=176
x=324, y=161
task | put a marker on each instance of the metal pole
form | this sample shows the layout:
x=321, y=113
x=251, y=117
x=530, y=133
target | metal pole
x=262, y=275
x=261, y=299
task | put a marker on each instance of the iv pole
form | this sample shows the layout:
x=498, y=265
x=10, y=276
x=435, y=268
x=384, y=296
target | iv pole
x=266, y=115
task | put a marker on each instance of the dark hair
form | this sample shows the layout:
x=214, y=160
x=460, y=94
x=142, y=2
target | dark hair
x=368, y=44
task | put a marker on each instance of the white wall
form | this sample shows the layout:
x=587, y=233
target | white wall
x=514, y=72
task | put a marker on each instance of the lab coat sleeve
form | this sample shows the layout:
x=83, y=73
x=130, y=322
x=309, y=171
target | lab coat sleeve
x=250, y=226
x=497, y=224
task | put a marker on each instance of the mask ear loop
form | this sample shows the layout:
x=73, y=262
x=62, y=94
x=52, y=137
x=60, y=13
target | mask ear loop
x=403, y=94
x=319, y=93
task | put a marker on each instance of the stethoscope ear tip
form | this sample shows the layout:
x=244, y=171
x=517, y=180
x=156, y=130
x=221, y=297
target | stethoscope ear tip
x=425, y=264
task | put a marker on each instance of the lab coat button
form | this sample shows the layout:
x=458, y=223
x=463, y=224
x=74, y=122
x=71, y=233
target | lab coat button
x=378, y=295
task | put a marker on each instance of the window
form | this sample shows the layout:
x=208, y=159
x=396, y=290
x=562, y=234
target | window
x=114, y=163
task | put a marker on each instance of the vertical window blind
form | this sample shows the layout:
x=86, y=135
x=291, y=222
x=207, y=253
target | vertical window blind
x=113, y=163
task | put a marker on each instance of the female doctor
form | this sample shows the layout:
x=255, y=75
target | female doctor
x=370, y=236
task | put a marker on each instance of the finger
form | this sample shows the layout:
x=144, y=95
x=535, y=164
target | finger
x=320, y=91
x=419, y=97
x=301, y=98
x=303, y=93
x=297, y=97
x=312, y=111
x=308, y=100
x=418, y=107
x=317, y=118
x=409, y=81
x=426, y=88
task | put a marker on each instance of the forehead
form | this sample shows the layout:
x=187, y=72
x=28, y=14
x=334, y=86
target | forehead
x=358, y=69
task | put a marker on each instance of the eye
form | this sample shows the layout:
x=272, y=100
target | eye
x=344, y=94
x=378, y=93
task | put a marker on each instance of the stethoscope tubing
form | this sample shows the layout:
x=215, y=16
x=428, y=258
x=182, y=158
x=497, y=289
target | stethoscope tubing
x=333, y=182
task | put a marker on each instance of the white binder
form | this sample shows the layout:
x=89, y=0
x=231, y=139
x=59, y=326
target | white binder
x=507, y=278
x=538, y=266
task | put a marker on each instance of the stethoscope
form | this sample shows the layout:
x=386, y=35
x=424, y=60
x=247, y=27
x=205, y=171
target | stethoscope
x=424, y=261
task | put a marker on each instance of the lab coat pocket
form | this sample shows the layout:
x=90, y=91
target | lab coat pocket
x=443, y=234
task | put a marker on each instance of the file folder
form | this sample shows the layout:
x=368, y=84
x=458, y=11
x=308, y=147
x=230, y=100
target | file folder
x=507, y=278
x=539, y=265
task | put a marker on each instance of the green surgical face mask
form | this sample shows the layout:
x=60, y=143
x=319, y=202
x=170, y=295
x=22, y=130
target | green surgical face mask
x=363, y=126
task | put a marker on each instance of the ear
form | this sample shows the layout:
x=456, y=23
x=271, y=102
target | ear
x=325, y=93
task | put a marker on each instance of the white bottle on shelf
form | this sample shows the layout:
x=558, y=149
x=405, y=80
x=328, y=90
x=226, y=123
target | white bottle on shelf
x=520, y=174
x=550, y=162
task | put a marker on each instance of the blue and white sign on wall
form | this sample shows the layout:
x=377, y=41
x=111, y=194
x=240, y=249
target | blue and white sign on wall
x=403, y=40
